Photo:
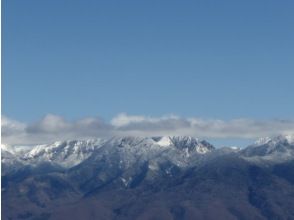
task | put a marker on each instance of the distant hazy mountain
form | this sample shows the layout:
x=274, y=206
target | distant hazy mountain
x=149, y=178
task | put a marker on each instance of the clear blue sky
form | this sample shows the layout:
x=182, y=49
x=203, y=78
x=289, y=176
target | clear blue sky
x=212, y=59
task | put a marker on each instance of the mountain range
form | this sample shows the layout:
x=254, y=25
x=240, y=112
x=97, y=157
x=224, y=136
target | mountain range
x=178, y=177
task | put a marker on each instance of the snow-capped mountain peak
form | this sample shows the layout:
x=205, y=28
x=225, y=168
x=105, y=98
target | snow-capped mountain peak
x=164, y=141
x=186, y=143
x=290, y=138
x=263, y=140
x=279, y=148
x=192, y=144
x=275, y=140
x=7, y=148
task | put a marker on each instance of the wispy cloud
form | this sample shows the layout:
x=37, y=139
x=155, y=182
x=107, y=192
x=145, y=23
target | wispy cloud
x=53, y=127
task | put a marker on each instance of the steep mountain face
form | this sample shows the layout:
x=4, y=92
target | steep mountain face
x=149, y=178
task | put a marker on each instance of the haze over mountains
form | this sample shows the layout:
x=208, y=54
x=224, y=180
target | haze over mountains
x=168, y=177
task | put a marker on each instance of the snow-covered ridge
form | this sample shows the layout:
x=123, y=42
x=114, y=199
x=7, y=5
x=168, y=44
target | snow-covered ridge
x=179, y=150
x=64, y=153
x=263, y=140
x=164, y=141
x=7, y=148
x=70, y=153
x=275, y=149
x=65, y=147
x=290, y=138
x=188, y=143
x=274, y=140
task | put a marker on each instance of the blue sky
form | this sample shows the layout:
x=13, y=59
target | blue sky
x=207, y=59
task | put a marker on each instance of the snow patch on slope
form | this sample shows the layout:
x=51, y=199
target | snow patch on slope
x=164, y=141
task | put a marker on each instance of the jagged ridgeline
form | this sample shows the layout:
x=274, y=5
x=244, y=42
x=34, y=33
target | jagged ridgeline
x=149, y=178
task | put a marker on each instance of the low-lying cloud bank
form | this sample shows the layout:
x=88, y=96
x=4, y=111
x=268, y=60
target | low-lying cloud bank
x=53, y=127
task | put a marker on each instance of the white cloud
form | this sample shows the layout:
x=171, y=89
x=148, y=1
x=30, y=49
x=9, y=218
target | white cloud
x=123, y=119
x=49, y=124
x=53, y=127
x=10, y=127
